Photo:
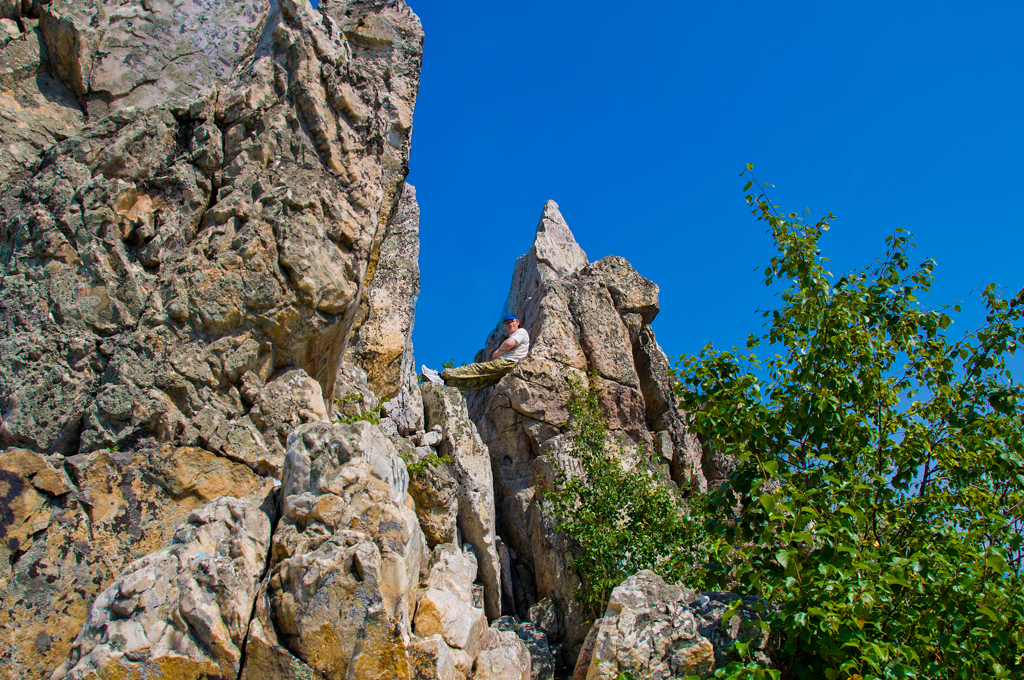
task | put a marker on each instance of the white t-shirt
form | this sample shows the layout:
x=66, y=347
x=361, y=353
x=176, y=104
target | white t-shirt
x=520, y=350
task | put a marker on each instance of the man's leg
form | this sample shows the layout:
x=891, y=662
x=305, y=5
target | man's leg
x=477, y=376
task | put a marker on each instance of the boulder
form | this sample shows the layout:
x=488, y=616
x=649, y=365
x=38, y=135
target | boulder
x=656, y=630
x=435, y=492
x=287, y=401
x=348, y=553
x=184, y=610
x=542, y=661
x=471, y=463
x=444, y=613
x=504, y=658
x=431, y=659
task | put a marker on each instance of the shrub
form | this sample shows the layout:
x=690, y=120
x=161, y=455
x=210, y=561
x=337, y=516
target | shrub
x=618, y=521
x=881, y=474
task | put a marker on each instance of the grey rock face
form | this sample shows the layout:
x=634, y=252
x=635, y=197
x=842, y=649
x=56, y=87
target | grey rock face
x=580, y=316
x=184, y=609
x=347, y=554
x=171, y=259
x=179, y=269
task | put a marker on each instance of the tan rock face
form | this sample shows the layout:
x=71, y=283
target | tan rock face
x=505, y=657
x=432, y=660
x=348, y=553
x=580, y=317
x=383, y=329
x=66, y=539
x=181, y=611
x=471, y=465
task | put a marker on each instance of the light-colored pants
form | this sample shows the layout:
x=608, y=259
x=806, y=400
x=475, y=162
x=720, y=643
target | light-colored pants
x=477, y=376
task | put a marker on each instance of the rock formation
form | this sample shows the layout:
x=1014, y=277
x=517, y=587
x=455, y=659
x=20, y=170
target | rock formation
x=193, y=197
x=581, y=317
x=664, y=631
x=215, y=459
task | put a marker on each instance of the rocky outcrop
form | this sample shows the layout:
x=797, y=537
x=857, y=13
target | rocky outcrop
x=582, y=317
x=171, y=259
x=664, y=631
x=193, y=197
x=182, y=611
x=347, y=554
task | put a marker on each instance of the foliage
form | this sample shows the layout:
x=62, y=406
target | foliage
x=353, y=402
x=618, y=521
x=877, y=502
x=417, y=467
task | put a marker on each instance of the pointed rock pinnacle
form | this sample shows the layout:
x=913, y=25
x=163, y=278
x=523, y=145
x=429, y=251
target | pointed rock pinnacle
x=554, y=254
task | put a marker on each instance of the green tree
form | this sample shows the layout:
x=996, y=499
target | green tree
x=618, y=521
x=877, y=504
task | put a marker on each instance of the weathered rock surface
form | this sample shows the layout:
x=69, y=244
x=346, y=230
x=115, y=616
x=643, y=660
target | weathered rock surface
x=663, y=631
x=471, y=464
x=265, y=655
x=181, y=268
x=435, y=491
x=432, y=660
x=36, y=108
x=170, y=259
x=383, y=327
x=504, y=658
x=182, y=611
x=542, y=661
x=67, y=537
x=347, y=554
x=581, y=317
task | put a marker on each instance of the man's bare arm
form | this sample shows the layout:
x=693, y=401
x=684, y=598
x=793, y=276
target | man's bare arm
x=505, y=348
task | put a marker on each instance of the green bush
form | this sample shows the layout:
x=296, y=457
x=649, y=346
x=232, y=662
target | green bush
x=618, y=521
x=877, y=507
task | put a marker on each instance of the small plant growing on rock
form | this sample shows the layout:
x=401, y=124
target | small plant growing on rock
x=350, y=410
x=618, y=521
x=418, y=467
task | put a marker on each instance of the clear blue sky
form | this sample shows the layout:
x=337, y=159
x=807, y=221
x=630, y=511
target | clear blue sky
x=638, y=118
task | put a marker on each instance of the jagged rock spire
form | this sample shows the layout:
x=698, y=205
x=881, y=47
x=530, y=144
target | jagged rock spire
x=554, y=254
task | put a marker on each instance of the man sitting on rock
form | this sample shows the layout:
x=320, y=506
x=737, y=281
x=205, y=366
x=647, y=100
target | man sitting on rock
x=479, y=376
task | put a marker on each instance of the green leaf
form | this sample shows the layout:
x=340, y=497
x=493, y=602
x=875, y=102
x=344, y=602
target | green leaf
x=768, y=502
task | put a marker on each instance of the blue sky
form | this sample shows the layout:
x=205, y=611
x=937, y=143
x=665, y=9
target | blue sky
x=638, y=119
